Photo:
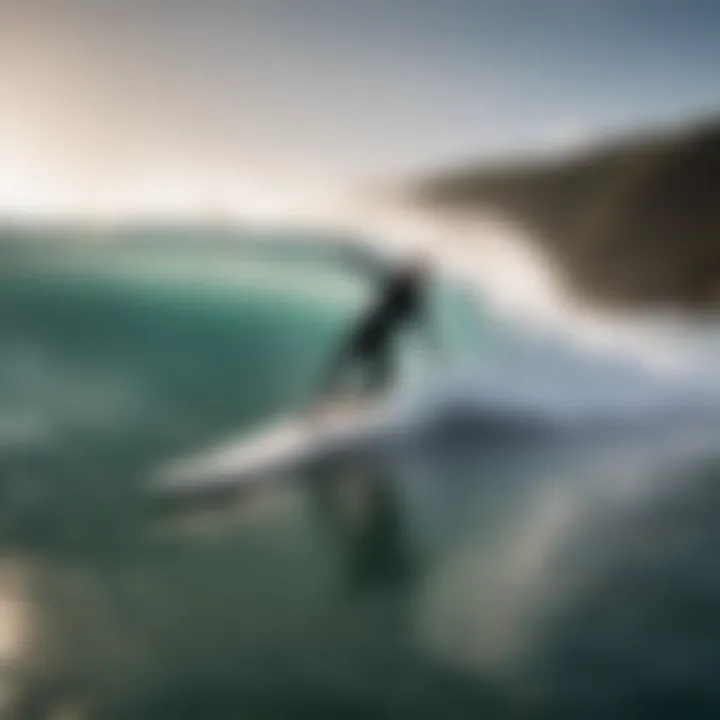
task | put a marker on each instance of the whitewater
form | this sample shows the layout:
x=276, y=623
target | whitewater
x=517, y=338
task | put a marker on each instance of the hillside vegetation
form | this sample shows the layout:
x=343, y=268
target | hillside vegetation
x=634, y=221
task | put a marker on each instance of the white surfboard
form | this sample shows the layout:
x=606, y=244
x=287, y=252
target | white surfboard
x=289, y=443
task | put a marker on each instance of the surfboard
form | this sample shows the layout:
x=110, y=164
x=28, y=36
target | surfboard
x=289, y=443
x=341, y=422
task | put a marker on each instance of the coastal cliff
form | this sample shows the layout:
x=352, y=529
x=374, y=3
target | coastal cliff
x=631, y=222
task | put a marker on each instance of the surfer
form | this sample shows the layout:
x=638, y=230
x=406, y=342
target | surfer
x=401, y=302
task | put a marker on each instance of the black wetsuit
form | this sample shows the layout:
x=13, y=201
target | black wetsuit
x=370, y=343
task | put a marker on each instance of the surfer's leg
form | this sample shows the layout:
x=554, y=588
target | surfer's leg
x=360, y=361
x=379, y=369
x=347, y=369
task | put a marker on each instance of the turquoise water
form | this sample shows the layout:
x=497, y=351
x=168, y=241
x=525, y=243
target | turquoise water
x=475, y=578
x=114, y=360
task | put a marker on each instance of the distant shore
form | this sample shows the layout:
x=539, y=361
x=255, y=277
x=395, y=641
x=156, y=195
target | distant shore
x=636, y=221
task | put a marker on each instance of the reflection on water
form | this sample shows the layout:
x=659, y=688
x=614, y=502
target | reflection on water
x=480, y=588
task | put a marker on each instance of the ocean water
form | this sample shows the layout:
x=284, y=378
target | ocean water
x=550, y=554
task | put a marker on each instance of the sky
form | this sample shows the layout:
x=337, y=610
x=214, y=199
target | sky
x=176, y=104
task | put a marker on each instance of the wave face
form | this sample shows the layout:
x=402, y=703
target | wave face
x=147, y=349
x=213, y=325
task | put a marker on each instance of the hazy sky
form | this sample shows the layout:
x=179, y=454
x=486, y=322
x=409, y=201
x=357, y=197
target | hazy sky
x=144, y=99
